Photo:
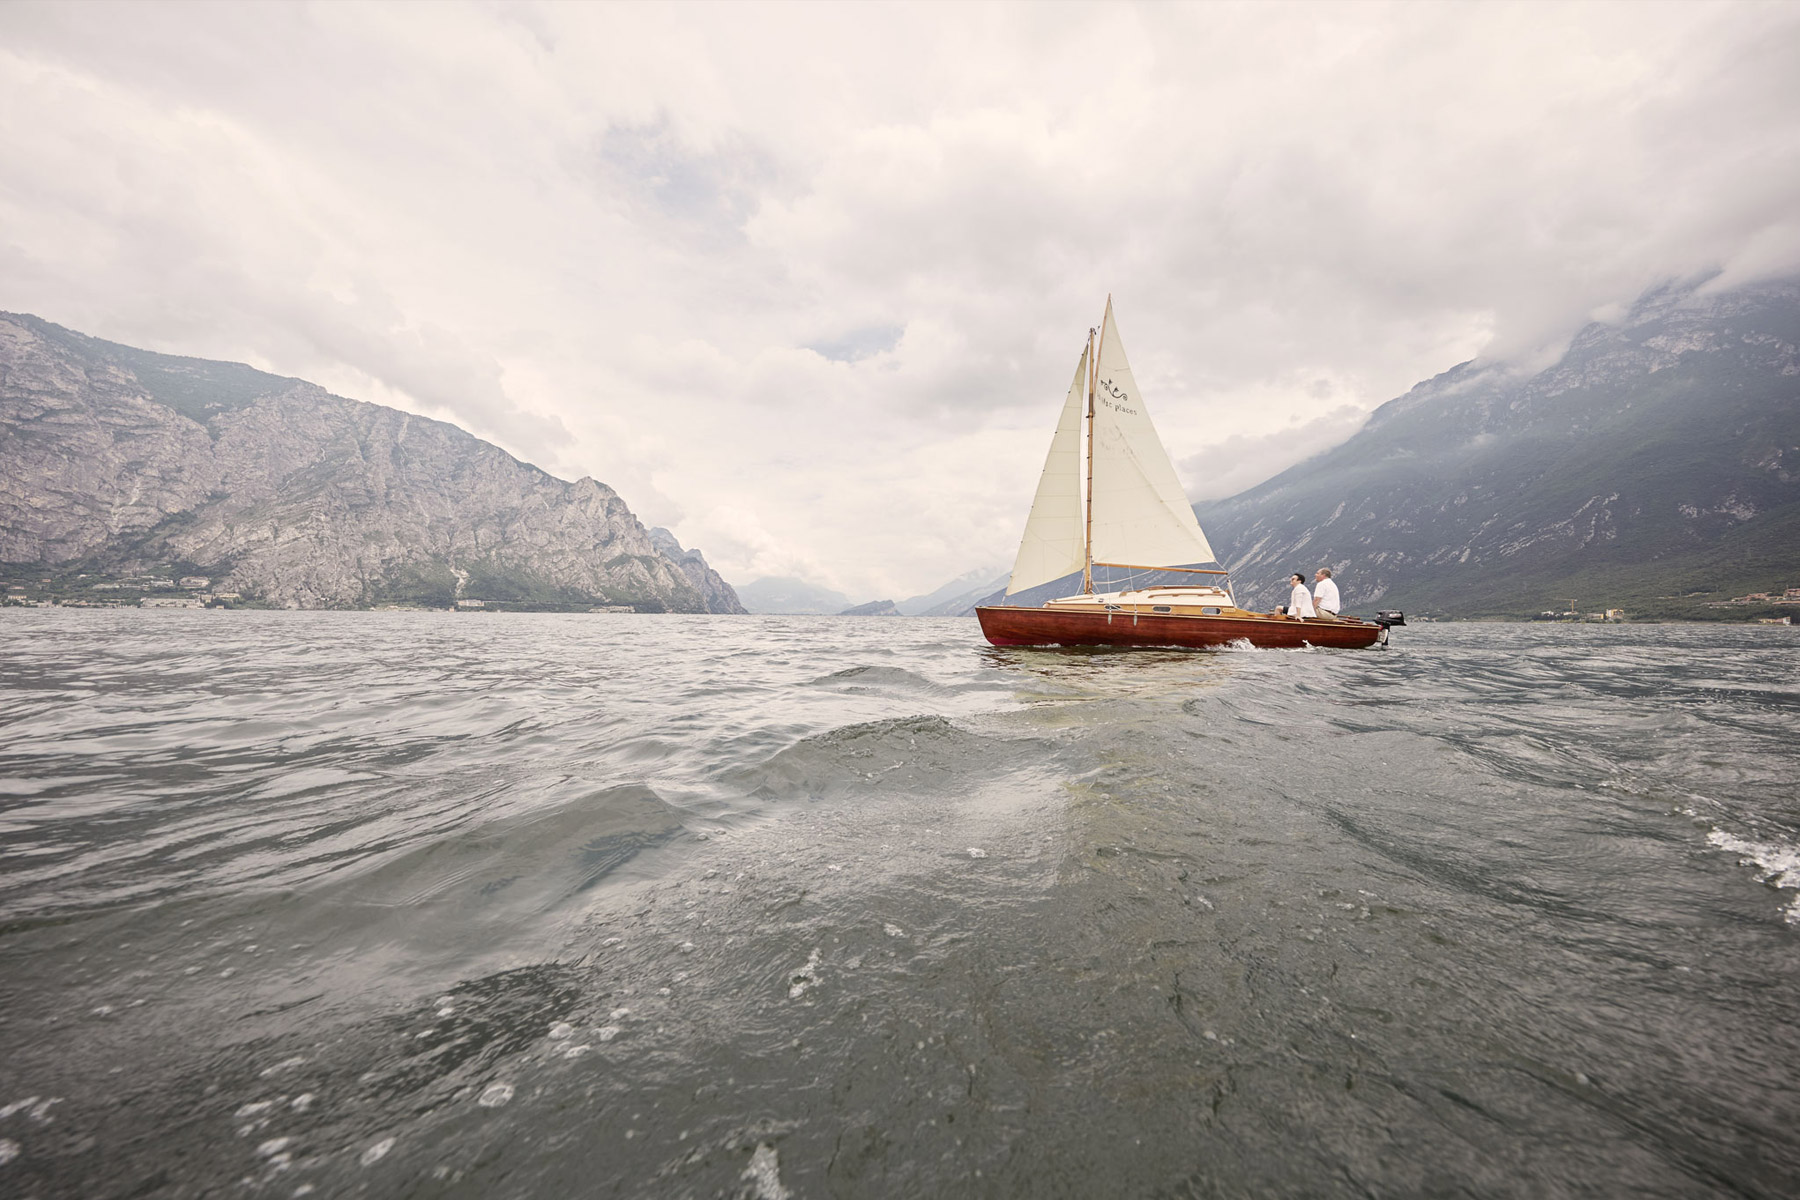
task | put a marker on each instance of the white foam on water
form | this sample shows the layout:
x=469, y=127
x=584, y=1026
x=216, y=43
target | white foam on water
x=33, y=1107
x=893, y=930
x=495, y=1095
x=251, y=1110
x=9, y=1150
x=607, y=1033
x=377, y=1152
x=976, y=852
x=805, y=978
x=274, y=1146
x=1776, y=864
x=302, y=1102
x=618, y=1014
x=562, y=1031
x=286, y=1064
x=764, y=1172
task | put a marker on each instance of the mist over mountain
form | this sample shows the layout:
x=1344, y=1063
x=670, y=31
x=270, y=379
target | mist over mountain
x=121, y=461
x=1655, y=467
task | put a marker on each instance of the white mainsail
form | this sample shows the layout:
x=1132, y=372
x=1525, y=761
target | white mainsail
x=1052, y=546
x=1141, y=517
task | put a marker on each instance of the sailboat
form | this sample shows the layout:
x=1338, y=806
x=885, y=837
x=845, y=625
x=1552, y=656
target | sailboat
x=1111, y=519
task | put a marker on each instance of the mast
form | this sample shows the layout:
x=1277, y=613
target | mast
x=1087, y=531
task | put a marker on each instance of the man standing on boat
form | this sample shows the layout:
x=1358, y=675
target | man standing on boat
x=1299, y=600
x=1325, y=593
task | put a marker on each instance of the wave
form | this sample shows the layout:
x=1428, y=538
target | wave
x=870, y=677
x=894, y=753
x=1776, y=864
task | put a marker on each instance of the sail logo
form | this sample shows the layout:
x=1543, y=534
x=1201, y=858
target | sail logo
x=1113, y=397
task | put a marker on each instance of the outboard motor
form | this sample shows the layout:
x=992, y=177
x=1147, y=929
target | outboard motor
x=1387, y=618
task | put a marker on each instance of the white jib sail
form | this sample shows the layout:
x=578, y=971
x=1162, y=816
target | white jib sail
x=1141, y=515
x=1052, y=545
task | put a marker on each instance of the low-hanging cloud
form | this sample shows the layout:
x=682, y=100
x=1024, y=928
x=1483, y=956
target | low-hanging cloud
x=1244, y=460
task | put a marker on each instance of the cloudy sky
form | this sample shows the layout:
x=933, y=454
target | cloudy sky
x=806, y=282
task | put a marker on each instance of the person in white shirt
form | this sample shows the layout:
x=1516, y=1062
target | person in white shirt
x=1299, y=600
x=1325, y=593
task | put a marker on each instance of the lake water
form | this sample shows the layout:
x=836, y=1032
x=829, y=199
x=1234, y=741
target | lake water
x=498, y=905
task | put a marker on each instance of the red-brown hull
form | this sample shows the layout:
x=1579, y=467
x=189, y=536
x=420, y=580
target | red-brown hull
x=1052, y=627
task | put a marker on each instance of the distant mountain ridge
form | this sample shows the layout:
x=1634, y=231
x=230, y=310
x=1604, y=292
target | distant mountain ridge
x=1655, y=467
x=958, y=597
x=797, y=597
x=781, y=595
x=874, y=608
x=121, y=460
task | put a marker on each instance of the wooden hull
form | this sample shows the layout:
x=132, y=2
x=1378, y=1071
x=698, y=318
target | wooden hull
x=1053, y=627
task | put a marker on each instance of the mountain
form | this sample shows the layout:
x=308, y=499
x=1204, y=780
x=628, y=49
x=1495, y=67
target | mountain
x=874, y=608
x=124, y=462
x=1655, y=468
x=719, y=596
x=956, y=598
x=777, y=594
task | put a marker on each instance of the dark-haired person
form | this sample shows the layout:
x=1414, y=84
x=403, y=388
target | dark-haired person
x=1299, y=600
x=1325, y=593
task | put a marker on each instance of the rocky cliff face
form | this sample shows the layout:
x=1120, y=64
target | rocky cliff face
x=1660, y=457
x=718, y=594
x=120, y=460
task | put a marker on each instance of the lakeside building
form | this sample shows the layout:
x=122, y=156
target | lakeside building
x=1789, y=596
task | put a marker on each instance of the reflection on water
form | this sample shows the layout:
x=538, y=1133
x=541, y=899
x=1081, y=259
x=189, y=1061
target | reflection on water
x=452, y=905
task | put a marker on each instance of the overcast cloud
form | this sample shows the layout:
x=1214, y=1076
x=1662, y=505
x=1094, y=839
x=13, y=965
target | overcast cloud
x=806, y=283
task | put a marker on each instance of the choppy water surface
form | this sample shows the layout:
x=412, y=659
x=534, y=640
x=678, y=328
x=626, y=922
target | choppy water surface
x=435, y=905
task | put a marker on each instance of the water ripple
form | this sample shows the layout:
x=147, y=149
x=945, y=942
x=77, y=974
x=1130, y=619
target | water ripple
x=463, y=904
